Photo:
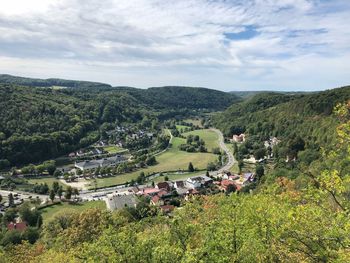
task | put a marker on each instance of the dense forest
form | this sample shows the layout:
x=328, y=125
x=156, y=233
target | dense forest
x=39, y=121
x=305, y=219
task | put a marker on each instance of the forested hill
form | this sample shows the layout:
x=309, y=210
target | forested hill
x=283, y=115
x=31, y=82
x=42, y=119
x=176, y=97
x=41, y=123
x=169, y=97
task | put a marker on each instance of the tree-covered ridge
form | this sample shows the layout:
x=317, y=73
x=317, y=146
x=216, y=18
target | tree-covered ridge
x=9, y=79
x=185, y=97
x=171, y=97
x=287, y=116
x=40, y=123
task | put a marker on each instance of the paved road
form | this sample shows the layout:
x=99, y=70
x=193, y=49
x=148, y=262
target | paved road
x=231, y=159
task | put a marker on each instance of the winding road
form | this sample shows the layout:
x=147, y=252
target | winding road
x=231, y=159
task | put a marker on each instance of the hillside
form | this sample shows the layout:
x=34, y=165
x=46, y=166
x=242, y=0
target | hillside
x=185, y=97
x=38, y=122
x=283, y=115
x=31, y=82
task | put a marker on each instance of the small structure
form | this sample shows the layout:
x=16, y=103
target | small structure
x=119, y=201
x=20, y=226
x=238, y=138
x=163, y=185
x=248, y=178
x=157, y=200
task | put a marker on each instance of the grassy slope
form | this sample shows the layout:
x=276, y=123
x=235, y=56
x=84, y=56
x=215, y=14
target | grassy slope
x=50, y=211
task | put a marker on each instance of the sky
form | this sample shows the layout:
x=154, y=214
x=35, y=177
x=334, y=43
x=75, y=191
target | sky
x=287, y=45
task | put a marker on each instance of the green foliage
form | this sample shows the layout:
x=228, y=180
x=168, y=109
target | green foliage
x=190, y=168
x=301, y=121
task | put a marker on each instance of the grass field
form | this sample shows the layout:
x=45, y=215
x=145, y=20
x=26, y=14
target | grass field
x=48, y=180
x=50, y=211
x=113, y=149
x=194, y=122
x=210, y=138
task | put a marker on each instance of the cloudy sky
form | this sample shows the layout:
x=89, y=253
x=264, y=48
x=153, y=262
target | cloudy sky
x=223, y=44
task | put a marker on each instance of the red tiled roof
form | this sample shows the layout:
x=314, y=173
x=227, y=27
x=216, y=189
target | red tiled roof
x=150, y=190
x=155, y=199
x=17, y=226
x=226, y=183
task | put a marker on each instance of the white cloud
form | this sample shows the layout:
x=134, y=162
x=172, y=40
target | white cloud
x=154, y=42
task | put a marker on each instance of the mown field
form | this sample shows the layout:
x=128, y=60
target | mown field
x=49, y=212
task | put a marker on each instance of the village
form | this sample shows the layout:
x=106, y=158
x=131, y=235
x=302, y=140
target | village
x=168, y=195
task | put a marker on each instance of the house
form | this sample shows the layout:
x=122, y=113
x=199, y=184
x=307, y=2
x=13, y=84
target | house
x=119, y=201
x=194, y=182
x=238, y=138
x=163, y=185
x=197, y=182
x=21, y=226
x=71, y=155
x=157, y=200
x=206, y=180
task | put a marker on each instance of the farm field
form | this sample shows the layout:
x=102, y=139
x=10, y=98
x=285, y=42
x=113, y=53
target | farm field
x=49, y=212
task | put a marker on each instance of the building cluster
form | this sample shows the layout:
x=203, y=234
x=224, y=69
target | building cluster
x=101, y=163
x=163, y=193
x=121, y=134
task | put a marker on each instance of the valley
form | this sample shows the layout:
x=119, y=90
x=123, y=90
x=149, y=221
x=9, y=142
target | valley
x=142, y=161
